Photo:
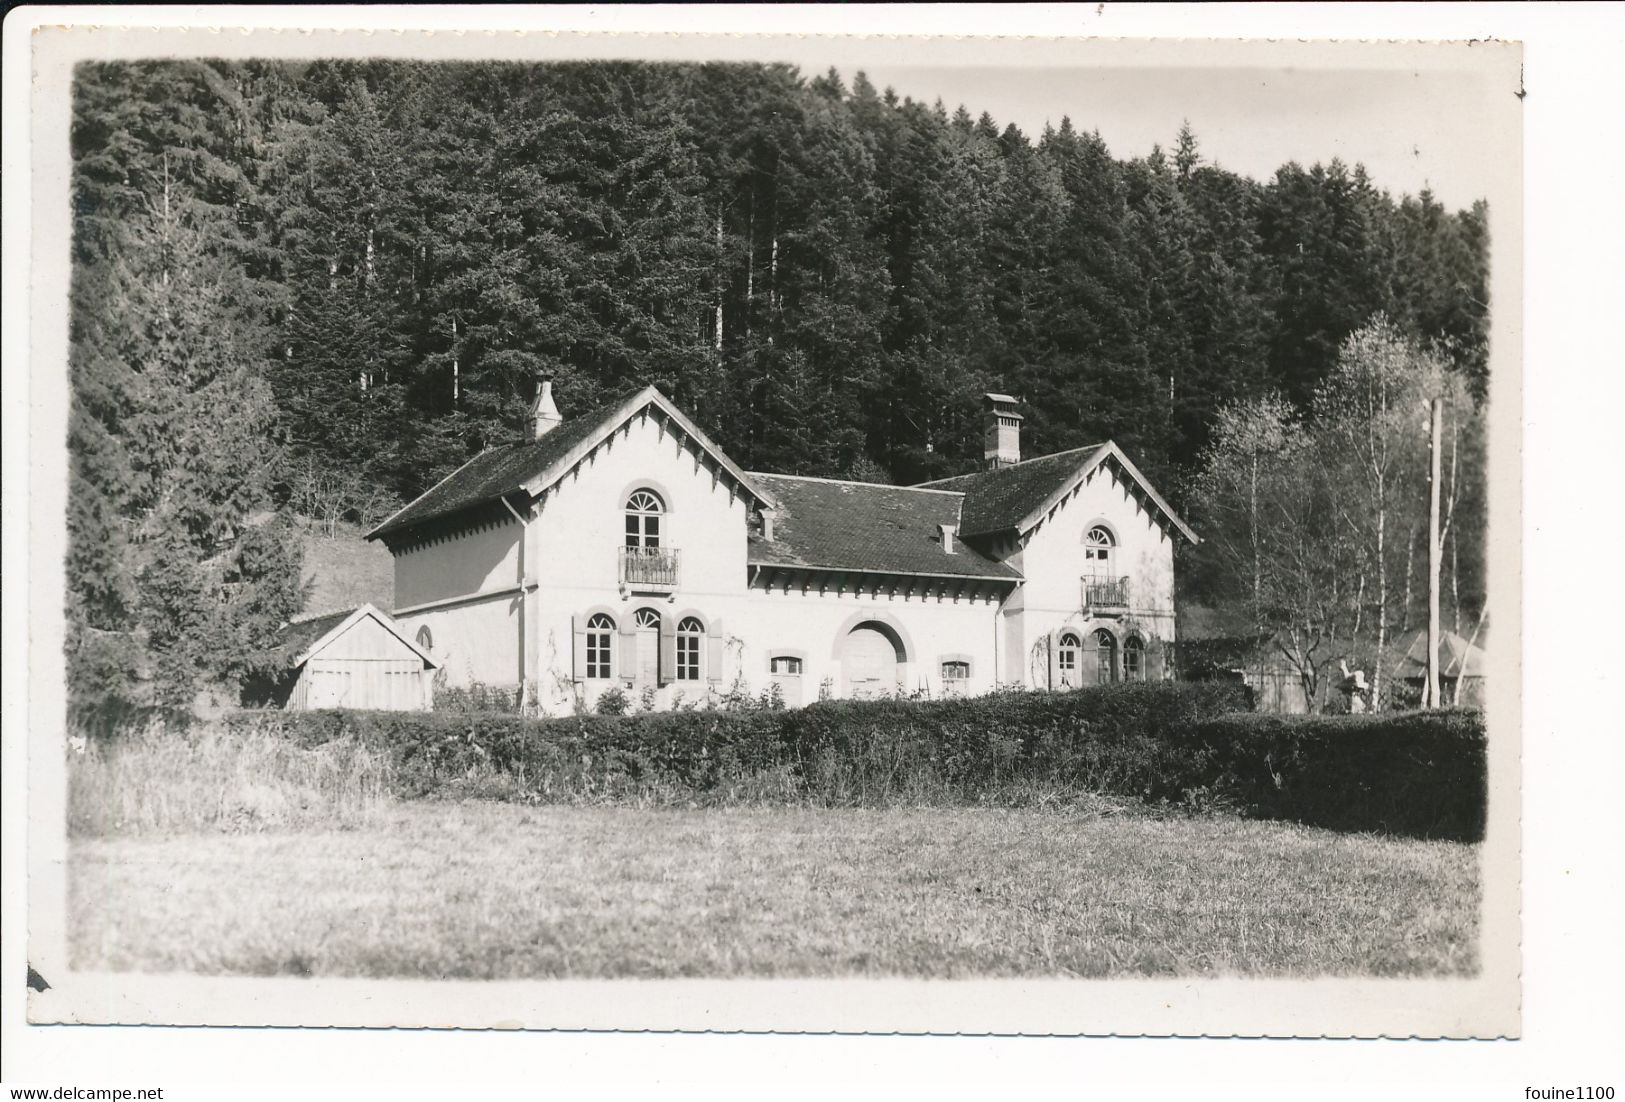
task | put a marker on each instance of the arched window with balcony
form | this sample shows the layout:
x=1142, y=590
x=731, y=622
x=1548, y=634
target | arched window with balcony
x=644, y=511
x=1099, y=544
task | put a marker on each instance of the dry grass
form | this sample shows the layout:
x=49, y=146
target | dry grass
x=212, y=780
x=495, y=891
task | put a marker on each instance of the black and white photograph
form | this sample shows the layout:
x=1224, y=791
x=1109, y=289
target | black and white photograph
x=591, y=516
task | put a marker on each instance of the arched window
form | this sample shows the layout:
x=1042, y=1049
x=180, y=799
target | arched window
x=600, y=651
x=690, y=632
x=1133, y=659
x=1106, y=656
x=1098, y=544
x=643, y=510
x=425, y=638
x=647, y=618
x=1066, y=660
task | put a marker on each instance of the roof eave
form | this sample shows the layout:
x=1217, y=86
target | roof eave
x=385, y=620
x=619, y=416
x=1107, y=450
x=1012, y=579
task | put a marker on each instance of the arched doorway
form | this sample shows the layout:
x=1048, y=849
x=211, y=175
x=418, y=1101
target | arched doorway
x=872, y=657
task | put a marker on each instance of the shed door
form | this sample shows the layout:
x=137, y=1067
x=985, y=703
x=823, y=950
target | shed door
x=869, y=661
x=329, y=684
x=389, y=684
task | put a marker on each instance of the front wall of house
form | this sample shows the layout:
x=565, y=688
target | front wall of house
x=818, y=629
x=578, y=536
x=1052, y=559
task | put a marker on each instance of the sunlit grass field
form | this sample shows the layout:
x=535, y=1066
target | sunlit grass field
x=477, y=890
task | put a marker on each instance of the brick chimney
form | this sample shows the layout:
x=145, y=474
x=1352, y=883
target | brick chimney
x=544, y=414
x=1001, y=432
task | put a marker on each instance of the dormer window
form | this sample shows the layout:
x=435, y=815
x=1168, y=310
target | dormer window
x=643, y=512
x=1098, y=545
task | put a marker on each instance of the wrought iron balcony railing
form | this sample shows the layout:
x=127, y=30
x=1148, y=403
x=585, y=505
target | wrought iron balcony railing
x=1105, y=594
x=649, y=566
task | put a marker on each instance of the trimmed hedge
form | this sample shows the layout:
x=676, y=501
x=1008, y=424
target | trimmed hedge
x=1165, y=743
x=1415, y=773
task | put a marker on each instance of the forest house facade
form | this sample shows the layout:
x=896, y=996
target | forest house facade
x=623, y=549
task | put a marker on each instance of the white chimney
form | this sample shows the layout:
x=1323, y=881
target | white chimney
x=946, y=531
x=768, y=516
x=1001, y=432
x=544, y=414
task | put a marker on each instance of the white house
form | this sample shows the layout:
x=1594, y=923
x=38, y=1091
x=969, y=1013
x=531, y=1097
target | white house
x=623, y=548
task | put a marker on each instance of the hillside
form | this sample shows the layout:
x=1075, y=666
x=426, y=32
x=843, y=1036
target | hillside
x=345, y=571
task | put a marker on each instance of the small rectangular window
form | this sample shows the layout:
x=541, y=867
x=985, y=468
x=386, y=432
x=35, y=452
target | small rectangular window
x=955, y=675
x=786, y=664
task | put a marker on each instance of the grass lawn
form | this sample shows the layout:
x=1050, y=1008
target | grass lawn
x=501, y=891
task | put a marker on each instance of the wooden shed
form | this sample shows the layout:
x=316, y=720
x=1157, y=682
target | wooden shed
x=360, y=658
x=1461, y=670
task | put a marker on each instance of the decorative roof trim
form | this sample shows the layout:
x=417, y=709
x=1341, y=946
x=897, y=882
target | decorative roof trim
x=618, y=417
x=1098, y=454
x=384, y=619
x=1011, y=579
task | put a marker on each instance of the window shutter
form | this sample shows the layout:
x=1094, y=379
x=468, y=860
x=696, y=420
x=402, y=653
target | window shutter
x=668, y=649
x=1055, y=660
x=579, y=624
x=1089, y=660
x=627, y=654
x=1156, y=662
x=713, y=653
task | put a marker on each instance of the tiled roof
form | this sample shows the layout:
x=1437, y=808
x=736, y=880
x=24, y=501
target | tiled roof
x=520, y=465
x=862, y=526
x=1002, y=498
x=1455, y=656
x=1013, y=497
x=494, y=472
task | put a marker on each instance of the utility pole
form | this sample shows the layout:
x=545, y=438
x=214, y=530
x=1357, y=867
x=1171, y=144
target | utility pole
x=1435, y=553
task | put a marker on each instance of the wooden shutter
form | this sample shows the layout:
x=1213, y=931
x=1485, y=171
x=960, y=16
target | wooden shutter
x=668, y=649
x=579, y=630
x=627, y=656
x=1055, y=660
x=1156, y=662
x=1089, y=659
x=713, y=653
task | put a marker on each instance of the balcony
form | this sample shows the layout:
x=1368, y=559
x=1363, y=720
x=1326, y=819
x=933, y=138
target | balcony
x=648, y=569
x=1105, y=596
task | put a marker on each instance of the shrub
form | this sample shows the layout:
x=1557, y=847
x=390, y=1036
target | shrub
x=1174, y=745
x=613, y=702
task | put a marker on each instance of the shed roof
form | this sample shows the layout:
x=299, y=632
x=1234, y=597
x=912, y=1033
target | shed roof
x=1016, y=497
x=533, y=465
x=1457, y=657
x=861, y=526
x=306, y=638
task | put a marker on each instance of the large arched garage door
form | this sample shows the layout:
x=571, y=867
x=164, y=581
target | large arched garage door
x=871, y=659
